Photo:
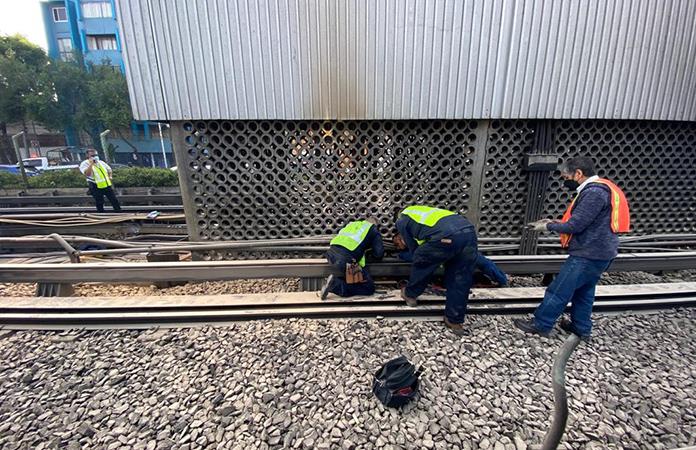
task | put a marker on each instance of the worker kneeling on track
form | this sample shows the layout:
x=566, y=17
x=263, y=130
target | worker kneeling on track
x=434, y=237
x=347, y=255
x=589, y=231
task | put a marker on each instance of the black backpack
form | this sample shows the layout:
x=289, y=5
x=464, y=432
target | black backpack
x=396, y=382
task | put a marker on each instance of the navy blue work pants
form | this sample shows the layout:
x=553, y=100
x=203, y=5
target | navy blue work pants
x=339, y=285
x=459, y=258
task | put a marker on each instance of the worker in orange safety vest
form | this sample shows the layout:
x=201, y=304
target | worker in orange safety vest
x=589, y=231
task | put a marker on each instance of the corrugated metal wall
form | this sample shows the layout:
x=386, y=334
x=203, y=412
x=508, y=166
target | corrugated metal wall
x=415, y=59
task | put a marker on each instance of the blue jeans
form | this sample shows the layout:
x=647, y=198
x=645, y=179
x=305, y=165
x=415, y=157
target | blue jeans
x=459, y=258
x=489, y=269
x=575, y=283
x=339, y=285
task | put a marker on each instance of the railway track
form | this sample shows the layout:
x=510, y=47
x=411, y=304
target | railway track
x=169, y=311
x=71, y=200
x=307, y=268
x=29, y=210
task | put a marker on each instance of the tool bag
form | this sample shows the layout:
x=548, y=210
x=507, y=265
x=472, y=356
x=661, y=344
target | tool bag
x=396, y=382
x=354, y=273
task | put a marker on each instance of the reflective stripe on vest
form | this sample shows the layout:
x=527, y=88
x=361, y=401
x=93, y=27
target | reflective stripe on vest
x=101, y=177
x=620, y=214
x=353, y=235
x=426, y=215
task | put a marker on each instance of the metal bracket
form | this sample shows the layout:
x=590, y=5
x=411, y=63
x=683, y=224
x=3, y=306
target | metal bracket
x=540, y=162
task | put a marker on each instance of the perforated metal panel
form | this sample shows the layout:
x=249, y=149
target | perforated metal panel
x=653, y=162
x=280, y=179
x=503, y=192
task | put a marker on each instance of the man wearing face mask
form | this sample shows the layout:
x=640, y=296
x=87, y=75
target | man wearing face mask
x=589, y=231
x=98, y=174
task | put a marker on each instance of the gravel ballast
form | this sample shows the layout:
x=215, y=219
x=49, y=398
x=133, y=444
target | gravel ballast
x=306, y=384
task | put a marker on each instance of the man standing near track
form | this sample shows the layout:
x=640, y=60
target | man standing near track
x=98, y=174
x=589, y=231
x=434, y=237
x=348, y=251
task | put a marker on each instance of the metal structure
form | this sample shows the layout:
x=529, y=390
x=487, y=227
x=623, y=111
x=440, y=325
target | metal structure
x=410, y=59
x=285, y=179
x=290, y=117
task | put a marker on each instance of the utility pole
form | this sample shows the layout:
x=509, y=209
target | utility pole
x=102, y=138
x=20, y=162
x=164, y=153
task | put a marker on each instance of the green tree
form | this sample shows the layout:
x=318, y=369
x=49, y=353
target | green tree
x=85, y=97
x=21, y=62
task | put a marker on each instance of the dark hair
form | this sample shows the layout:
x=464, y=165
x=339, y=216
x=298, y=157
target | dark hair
x=582, y=163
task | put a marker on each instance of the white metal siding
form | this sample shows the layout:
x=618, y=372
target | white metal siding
x=404, y=59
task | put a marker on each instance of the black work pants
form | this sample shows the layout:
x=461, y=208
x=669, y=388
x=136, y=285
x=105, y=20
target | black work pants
x=99, y=194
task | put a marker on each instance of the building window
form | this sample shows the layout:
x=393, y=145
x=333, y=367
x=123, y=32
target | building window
x=91, y=10
x=102, y=42
x=59, y=15
x=65, y=48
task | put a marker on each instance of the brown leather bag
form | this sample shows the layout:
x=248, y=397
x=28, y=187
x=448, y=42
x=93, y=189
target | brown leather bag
x=354, y=273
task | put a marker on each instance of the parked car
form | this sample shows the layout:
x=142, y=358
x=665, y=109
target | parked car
x=42, y=164
x=13, y=168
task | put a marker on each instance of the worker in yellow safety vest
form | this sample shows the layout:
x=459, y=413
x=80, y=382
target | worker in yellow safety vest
x=437, y=237
x=98, y=174
x=348, y=249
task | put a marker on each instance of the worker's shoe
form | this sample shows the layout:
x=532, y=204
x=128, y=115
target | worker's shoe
x=457, y=328
x=567, y=326
x=325, y=289
x=410, y=301
x=528, y=326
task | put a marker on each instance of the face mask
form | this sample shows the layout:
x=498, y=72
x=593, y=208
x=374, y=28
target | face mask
x=95, y=158
x=571, y=184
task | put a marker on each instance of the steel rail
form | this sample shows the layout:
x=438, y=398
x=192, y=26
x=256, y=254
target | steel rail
x=35, y=200
x=47, y=210
x=310, y=268
x=137, y=316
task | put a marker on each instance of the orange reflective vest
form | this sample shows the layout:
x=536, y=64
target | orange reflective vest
x=620, y=215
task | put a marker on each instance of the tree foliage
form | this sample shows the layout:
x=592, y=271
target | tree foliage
x=61, y=95
x=21, y=62
x=85, y=97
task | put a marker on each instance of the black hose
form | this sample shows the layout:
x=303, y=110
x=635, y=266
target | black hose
x=560, y=400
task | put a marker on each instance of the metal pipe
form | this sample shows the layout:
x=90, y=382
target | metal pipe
x=72, y=253
x=560, y=400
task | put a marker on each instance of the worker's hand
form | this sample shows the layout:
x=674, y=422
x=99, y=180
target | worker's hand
x=399, y=242
x=540, y=225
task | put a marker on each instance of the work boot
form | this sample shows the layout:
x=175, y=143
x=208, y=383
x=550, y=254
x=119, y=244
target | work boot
x=410, y=301
x=326, y=287
x=567, y=326
x=457, y=328
x=528, y=326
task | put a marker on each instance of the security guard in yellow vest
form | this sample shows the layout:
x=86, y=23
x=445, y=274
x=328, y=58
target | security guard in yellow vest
x=348, y=247
x=98, y=174
x=434, y=237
